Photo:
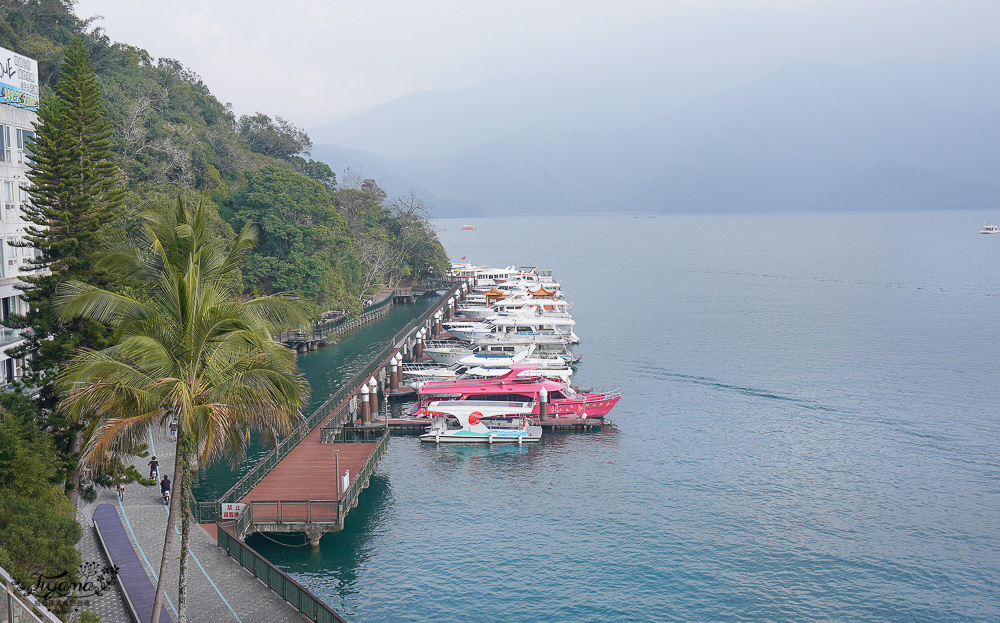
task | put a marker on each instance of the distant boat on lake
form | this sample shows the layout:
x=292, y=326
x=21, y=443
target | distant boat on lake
x=468, y=226
x=989, y=229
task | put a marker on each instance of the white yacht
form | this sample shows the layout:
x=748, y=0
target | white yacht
x=480, y=422
x=521, y=329
x=448, y=352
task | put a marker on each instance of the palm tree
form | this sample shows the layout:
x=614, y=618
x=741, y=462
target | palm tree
x=185, y=349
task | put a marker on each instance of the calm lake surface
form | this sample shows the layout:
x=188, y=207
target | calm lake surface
x=809, y=432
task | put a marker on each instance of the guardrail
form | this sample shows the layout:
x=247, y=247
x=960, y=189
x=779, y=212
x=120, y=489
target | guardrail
x=308, y=511
x=16, y=605
x=349, y=499
x=277, y=580
x=355, y=435
x=322, y=329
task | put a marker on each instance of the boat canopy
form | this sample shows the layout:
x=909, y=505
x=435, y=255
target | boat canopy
x=483, y=408
x=469, y=414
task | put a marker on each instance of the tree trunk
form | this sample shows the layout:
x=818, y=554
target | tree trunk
x=168, y=543
x=184, y=492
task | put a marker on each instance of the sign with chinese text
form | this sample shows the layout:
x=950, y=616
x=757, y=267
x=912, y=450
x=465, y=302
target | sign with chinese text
x=232, y=511
x=18, y=80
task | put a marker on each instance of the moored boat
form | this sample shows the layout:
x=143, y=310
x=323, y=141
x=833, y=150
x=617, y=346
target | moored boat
x=480, y=422
x=448, y=352
x=564, y=401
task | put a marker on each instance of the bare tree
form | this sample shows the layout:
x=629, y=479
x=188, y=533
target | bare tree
x=379, y=256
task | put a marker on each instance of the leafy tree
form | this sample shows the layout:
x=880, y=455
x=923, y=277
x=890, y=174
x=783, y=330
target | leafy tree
x=302, y=237
x=74, y=200
x=184, y=349
x=277, y=138
x=37, y=526
x=319, y=171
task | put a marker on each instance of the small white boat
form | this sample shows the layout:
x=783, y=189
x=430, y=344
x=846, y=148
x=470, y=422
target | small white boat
x=989, y=229
x=455, y=421
x=468, y=226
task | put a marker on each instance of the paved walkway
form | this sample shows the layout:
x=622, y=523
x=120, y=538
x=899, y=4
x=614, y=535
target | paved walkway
x=219, y=589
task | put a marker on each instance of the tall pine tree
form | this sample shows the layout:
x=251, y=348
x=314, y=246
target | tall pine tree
x=75, y=198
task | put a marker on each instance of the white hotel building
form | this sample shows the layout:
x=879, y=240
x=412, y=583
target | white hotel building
x=18, y=106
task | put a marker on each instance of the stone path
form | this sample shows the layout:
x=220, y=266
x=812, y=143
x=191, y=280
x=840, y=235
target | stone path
x=219, y=589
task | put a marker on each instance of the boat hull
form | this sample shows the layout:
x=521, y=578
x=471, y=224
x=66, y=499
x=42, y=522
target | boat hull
x=432, y=438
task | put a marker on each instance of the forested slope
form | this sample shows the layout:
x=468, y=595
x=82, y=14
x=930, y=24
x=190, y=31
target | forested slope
x=172, y=135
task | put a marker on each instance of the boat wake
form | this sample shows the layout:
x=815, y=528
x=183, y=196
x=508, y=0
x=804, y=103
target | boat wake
x=738, y=389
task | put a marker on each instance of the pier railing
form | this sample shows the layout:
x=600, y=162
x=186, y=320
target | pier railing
x=277, y=580
x=208, y=512
x=321, y=330
x=298, y=511
x=349, y=499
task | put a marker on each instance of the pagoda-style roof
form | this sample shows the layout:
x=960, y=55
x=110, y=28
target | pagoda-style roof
x=495, y=295
x=542, y=293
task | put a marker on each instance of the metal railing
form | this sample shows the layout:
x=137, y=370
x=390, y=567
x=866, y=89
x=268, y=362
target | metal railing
x=16, y=605
x=323, y=329
x=277, y=580
x=306, y=511
x=356, y=435
x=349, y=498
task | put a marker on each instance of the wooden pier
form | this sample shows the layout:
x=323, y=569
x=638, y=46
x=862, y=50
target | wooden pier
x=313, y=478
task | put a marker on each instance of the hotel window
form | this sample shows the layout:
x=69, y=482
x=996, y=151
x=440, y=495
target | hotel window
x=28, y=138
x=20, y=144
x=10, y=257
x=6, y=151
x=8, y=196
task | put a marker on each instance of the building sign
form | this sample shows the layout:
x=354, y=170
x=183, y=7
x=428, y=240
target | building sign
x=18, y=80
x=232, y=511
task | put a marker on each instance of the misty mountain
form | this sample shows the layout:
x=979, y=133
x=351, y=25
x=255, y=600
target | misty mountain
x=809, y=137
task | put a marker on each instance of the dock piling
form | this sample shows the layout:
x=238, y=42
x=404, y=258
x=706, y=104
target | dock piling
x=366, y=417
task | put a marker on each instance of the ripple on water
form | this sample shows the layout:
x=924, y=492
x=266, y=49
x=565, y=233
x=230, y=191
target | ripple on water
x=808, y=433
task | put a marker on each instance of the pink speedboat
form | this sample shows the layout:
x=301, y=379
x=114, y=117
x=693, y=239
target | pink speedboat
x=564, y=401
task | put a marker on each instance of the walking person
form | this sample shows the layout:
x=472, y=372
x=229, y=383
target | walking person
x=173, y=431
x=154, y=468
x=121, y=491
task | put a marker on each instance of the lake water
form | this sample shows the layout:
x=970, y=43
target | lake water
x=809, y=432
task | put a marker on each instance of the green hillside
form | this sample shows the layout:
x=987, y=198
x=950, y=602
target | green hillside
x=329, y=243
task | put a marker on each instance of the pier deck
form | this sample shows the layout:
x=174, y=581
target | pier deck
x=313, y=487
x=310, y=472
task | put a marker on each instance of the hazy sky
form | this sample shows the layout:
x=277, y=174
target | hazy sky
x=317, y=61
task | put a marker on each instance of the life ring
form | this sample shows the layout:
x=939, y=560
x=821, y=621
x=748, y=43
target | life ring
x=474, y=418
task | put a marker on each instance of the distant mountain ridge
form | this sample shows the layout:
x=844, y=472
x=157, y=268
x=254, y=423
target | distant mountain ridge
x=809, y=137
